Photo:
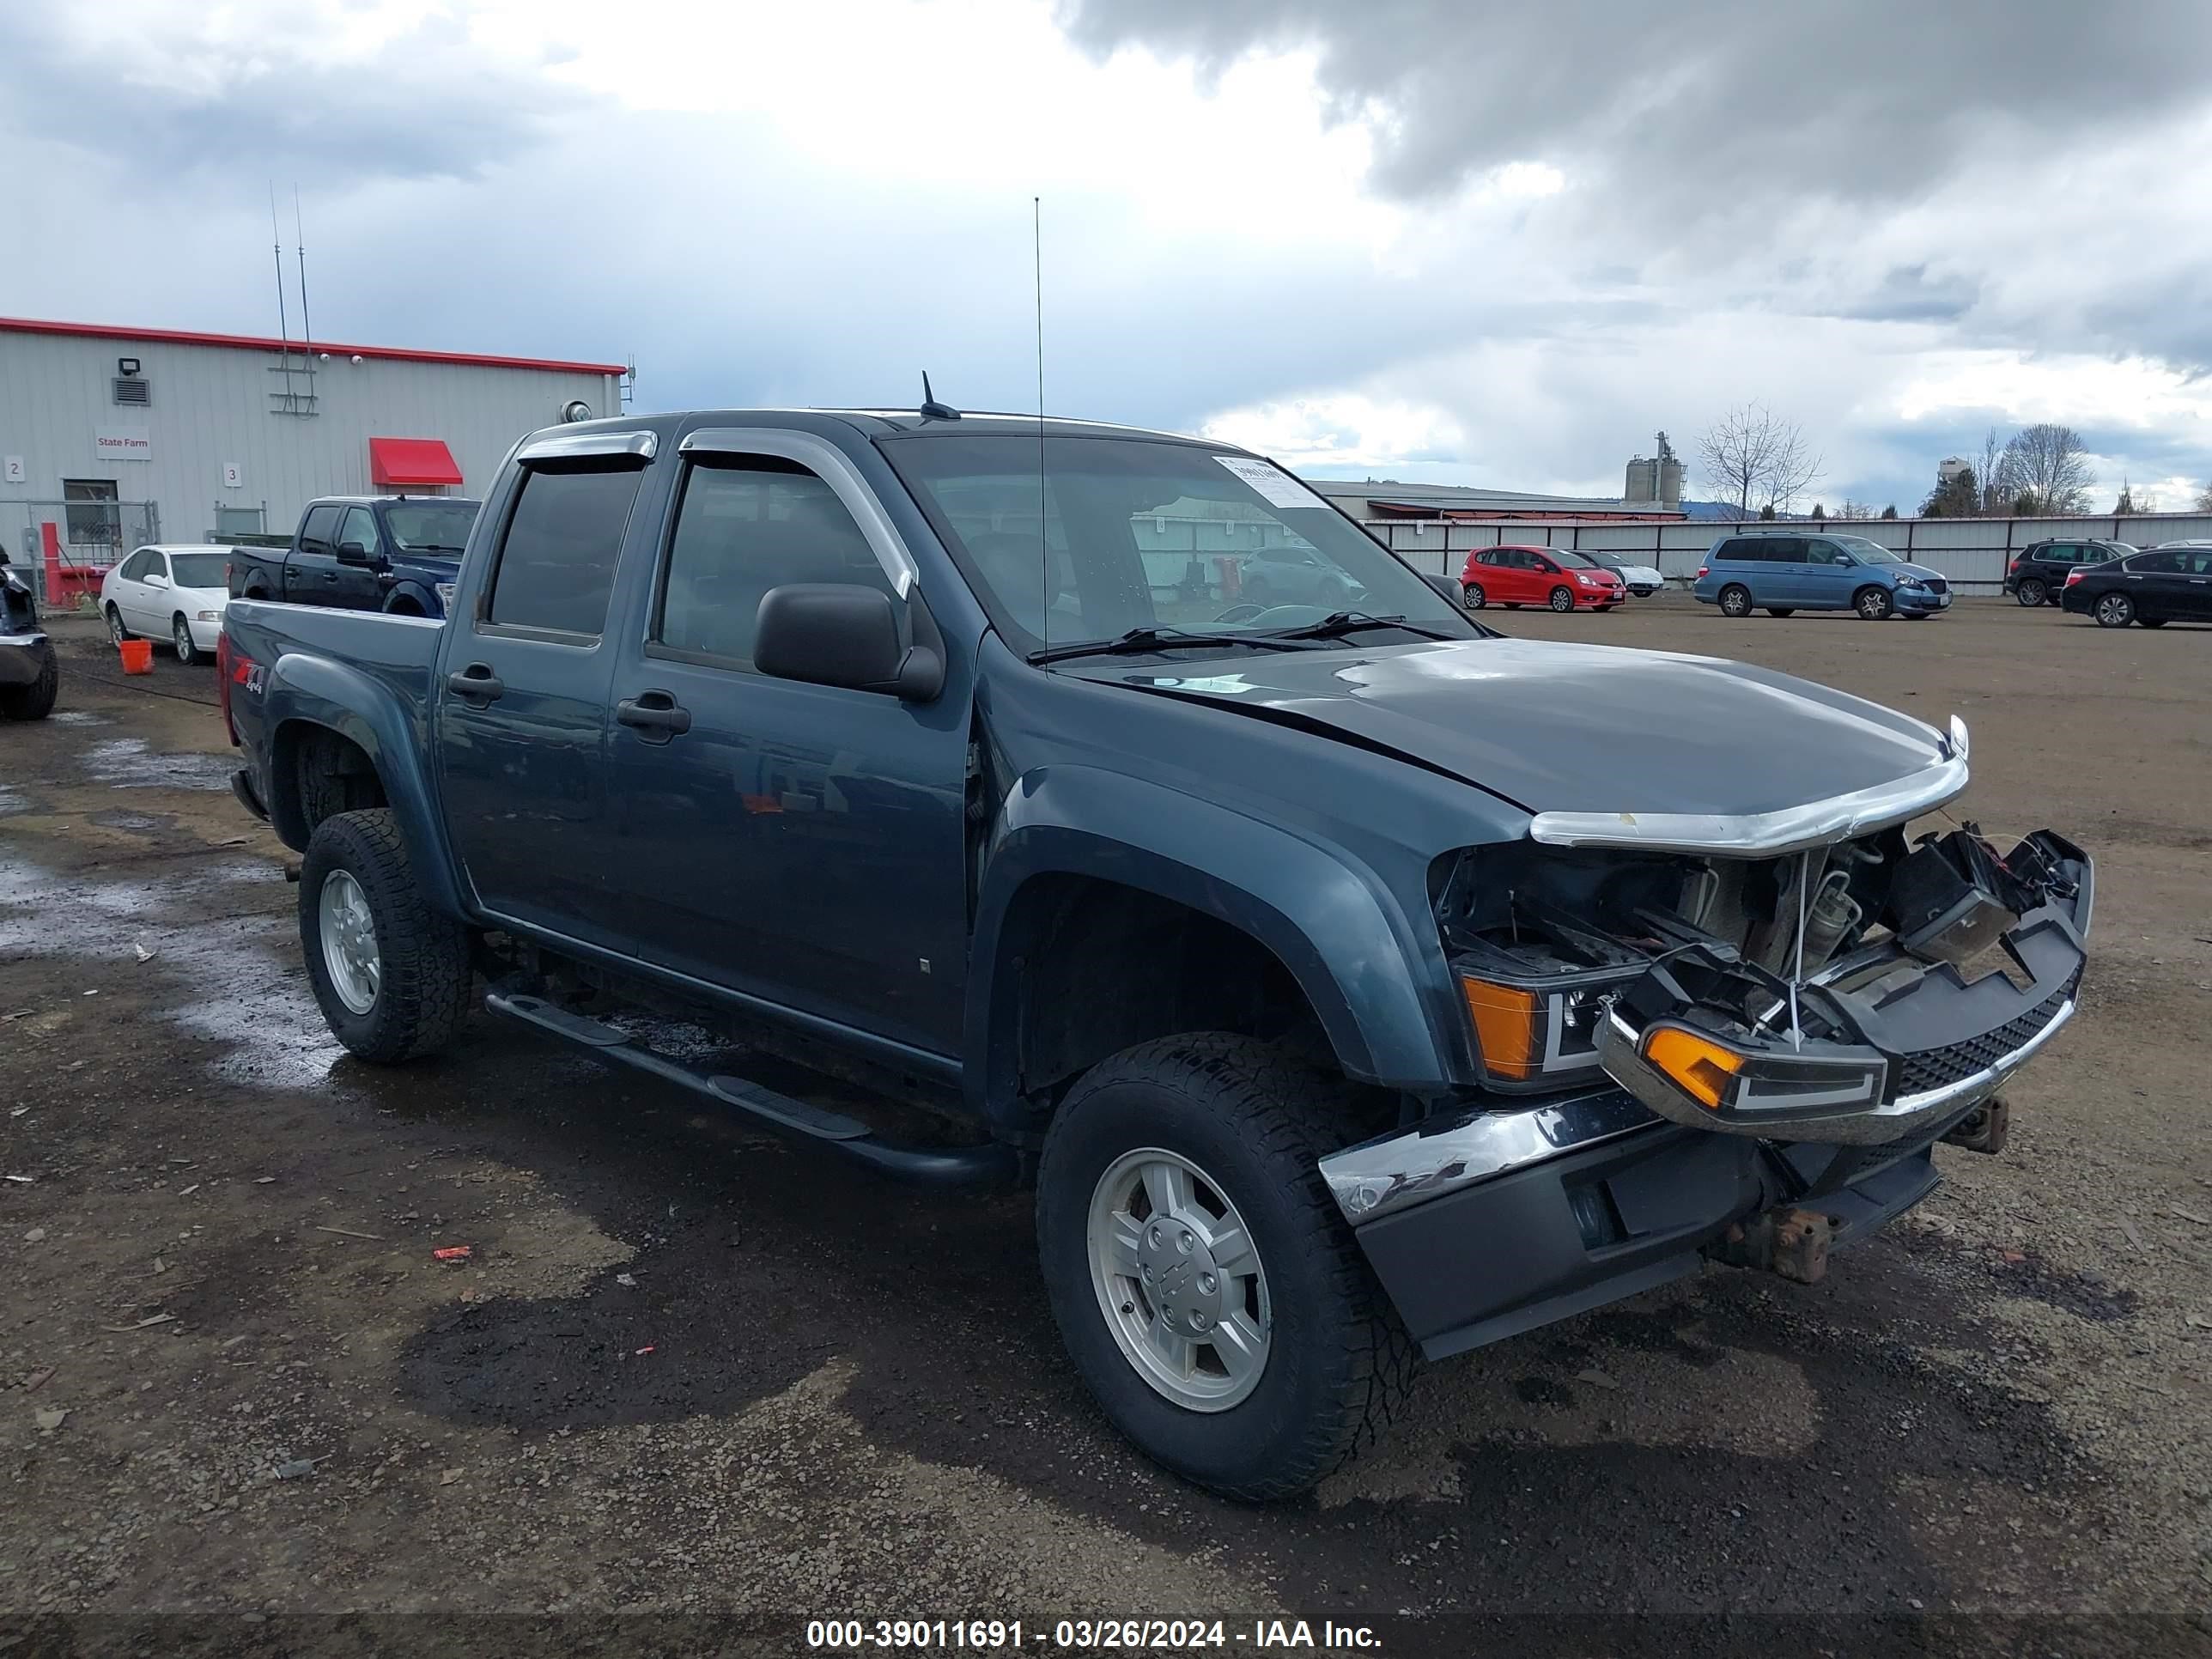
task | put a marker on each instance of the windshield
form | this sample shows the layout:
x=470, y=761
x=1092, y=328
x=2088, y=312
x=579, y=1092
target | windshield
x=1867, y=552
x=429, y=526
x=200, y=569
x=1138, y=534
x=1572, y=560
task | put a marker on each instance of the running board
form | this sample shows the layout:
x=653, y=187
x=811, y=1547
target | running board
x=988, y=1164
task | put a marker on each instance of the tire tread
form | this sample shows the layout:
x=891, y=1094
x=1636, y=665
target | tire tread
x=424, y=993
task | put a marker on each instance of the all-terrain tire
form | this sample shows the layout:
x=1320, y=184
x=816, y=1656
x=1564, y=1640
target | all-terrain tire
x=34, y=701
x=423, y=994
x=1340, y=1364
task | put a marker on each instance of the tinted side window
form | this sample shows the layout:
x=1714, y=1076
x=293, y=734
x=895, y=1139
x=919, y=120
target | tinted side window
x=556, y=566
x=1740, y=550
x=134, y=568
x=360, y=526
x=315, y=534
x=743, y=527
x=2155, y=564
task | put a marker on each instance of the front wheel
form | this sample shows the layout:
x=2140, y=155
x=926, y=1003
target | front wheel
x=390, y=975
x=34, y=701
x=1873, y=604
x=1476, y=599
x=1735, y=600
x=2032, y=592
x=2115, y=610
x=1206, y=1284
x=180, y=635
x=1562, y=598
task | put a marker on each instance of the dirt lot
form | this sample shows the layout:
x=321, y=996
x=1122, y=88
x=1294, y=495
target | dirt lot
x=687, y=1369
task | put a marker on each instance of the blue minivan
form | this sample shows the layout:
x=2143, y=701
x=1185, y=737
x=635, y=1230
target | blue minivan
x=1788, y=570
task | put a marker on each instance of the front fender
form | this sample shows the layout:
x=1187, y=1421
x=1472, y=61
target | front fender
x=313, y=690
x=423, y=596
x=1371, y=973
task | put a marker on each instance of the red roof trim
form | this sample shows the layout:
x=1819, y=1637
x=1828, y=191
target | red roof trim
x=396, y=461
x=256, y=342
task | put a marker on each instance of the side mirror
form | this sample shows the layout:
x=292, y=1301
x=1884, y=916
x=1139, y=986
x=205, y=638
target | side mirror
x=352, y=553
x=842, y=633
x=1448, y=588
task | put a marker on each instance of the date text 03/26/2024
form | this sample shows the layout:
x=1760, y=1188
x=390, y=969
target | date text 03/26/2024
x=998, y=1635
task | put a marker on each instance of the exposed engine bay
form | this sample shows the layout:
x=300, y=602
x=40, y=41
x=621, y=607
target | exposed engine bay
x=1841, y=980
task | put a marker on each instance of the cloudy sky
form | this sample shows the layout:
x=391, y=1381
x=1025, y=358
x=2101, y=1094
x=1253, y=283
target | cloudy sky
x=1499, y=244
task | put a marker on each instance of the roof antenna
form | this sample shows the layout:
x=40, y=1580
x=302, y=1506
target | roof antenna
x=306, y=328
x=1044, y=550
x=283, y=324
x=931, y=409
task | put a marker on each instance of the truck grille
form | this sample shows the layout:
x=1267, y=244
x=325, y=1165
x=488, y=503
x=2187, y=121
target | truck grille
x=1934, y=1068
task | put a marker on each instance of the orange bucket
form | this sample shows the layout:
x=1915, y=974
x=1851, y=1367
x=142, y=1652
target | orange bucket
x=137, y=656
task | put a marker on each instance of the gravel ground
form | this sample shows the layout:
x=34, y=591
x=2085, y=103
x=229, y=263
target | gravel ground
x=689, y=1374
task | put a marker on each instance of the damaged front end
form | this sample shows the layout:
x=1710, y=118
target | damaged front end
x=1848, y=992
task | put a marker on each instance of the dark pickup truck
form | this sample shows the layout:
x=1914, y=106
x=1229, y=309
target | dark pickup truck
x=396, y=553
x=1351, y=984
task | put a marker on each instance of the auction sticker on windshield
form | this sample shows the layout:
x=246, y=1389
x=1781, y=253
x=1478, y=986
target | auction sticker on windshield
x=1277, y=487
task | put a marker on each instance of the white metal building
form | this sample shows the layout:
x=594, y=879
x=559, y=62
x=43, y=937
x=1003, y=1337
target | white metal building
x=119, y=436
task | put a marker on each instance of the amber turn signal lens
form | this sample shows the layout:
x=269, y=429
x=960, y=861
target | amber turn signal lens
x=1505, y=1026
x=1702, y=1068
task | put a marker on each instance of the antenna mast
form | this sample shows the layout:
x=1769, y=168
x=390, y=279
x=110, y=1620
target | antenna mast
x=306, y=328
x=276, y=246
x=1044, y=549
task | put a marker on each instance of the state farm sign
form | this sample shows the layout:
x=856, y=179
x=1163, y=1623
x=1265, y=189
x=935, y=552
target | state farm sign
x=122, y=443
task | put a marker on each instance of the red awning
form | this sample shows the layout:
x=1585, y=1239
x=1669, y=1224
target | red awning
x=396, y=461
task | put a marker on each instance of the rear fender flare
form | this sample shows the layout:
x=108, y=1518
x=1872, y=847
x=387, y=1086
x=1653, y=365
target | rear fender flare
x=1359, y=960
x=302, y=690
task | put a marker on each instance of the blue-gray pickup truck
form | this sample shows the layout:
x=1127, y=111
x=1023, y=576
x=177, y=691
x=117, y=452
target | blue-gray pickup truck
x=397, y=553
x=1351, y=983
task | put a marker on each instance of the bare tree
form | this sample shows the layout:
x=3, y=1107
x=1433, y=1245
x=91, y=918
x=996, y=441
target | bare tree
x=1853, y=510
x=1992, y=458
x=2205, y=498
x=1750, y=454
x=2050, y=463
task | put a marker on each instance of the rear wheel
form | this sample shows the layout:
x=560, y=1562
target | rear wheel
x=1476, y=599
x=1782, y=611
x=390, y=975
x=2032, y=592
x=116, y=630
x=1562, y=598
x=180, y=635
x=1873, y=604
x=2115, y=610
x=1735, y=600
x=1209, y=1291
x=34, y=701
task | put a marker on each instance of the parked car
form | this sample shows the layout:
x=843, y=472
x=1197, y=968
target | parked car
x=1641, y=580
x=2161, y=585
x=1346, y=986
x=1295, y=575
x=2037, y=573
x=1787, y=571
x=1556, y=577
x=175, y=593
x=30, y=678
x=396, y=553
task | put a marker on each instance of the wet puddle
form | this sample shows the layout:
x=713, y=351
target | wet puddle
x=129, y=763
x=244, y=963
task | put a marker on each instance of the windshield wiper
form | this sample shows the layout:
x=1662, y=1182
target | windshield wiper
x=1157, y=639
x=1338, y=623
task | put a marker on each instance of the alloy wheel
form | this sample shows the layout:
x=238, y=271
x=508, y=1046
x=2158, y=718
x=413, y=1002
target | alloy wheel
x=348, y=937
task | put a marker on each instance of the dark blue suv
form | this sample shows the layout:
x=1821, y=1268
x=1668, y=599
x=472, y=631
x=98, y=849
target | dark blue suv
x=1788, y=571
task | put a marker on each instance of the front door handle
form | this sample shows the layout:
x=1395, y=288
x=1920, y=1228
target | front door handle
x=655, y=714
x=475, y=683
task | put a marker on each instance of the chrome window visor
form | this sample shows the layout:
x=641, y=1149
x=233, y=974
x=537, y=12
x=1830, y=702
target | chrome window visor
x=578, y=445
x=829, y=463
x=1789, y=830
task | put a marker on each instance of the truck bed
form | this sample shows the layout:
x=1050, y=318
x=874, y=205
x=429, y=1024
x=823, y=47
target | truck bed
x=315, y=648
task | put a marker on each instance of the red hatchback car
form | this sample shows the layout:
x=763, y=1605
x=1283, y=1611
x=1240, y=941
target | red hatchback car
x=1552, y=576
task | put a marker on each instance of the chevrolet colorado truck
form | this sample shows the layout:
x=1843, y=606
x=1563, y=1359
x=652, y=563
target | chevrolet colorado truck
x=397, y=553
x=1352, y=986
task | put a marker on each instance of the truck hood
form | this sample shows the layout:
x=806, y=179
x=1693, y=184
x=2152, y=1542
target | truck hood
x=1555, y=727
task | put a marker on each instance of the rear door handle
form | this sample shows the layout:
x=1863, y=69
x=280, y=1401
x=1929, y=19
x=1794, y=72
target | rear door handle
x=655, y=714
x=475, y=682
